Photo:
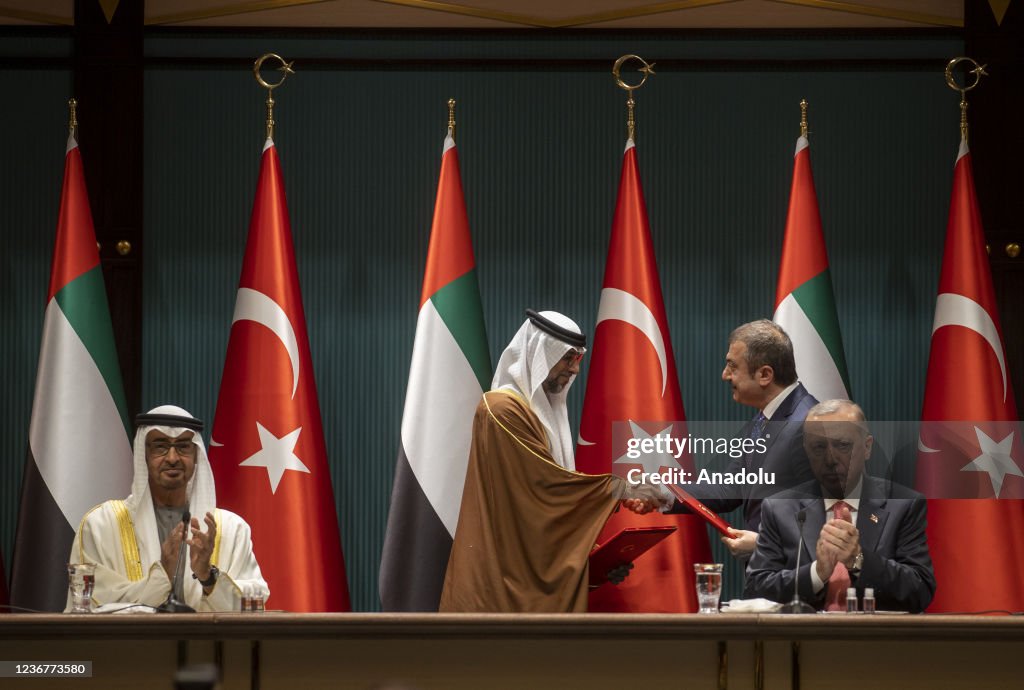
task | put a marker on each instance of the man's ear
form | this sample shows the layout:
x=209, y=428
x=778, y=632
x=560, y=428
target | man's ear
x=868, y=445
x=765, y=375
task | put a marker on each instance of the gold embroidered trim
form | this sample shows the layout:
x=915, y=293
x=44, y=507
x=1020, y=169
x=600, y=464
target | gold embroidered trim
x=215, y=556
x=129, y=545
x=520, y=442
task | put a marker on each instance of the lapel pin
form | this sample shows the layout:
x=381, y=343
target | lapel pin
x=874, y=518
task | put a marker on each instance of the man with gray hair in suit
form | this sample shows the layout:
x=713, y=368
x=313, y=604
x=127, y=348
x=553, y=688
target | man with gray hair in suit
x=760, y=369
x=859, y=531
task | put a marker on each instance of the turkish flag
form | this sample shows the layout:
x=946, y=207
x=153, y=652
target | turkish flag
x=969, y=444
x=267, y=447
x=633, y=379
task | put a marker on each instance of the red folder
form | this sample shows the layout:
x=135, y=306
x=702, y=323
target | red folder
x=698, y=508
x=624, y=548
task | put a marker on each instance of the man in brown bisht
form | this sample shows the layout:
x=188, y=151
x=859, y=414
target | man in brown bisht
x=528, y=520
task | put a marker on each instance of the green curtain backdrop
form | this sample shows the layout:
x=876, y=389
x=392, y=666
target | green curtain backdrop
x=33, y=124
x=540, y=146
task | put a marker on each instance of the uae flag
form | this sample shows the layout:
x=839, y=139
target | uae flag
x=451, y=368
x=805, y=306
x=267, y=447
x=633, y=381
x=79, y=452
x=969, y=444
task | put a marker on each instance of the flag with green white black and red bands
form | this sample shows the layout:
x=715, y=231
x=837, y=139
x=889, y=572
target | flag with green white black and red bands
x=450, y=370
x=805, y=305
x=79, y=450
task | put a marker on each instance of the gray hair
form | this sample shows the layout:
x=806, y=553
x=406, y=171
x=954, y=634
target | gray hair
x=838, y=405
x=767, y=344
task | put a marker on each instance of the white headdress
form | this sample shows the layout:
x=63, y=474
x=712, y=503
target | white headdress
x=202, y=496
x=542, y=340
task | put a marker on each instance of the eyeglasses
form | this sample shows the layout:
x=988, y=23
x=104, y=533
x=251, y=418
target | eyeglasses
x=573, y=356
x=185, y=449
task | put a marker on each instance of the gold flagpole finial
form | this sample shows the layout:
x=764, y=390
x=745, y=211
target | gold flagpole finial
x=73, y=117
x=286, y=69
x=978, y=72
x=647, y=70
x=803, y=118
x=451, y=118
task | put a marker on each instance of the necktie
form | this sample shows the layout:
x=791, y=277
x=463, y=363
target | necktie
x=835, y=595
x=760, y=421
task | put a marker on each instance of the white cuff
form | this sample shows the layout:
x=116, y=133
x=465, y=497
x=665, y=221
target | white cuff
x=816, y=582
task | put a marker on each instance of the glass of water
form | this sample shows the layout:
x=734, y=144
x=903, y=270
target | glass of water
x=709, y=586
x=81, y=579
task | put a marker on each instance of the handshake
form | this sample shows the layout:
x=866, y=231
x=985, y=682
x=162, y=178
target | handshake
x=645, y=498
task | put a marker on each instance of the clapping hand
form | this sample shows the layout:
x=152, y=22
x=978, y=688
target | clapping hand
x=201, y=544
x=169, y=550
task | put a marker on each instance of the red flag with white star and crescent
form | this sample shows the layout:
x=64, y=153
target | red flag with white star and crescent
x=633, y=379
x=969, y=449
x=267, y=446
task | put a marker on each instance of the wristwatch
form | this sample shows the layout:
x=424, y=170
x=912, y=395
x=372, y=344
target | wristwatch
x=211, y=580
x=858, y=562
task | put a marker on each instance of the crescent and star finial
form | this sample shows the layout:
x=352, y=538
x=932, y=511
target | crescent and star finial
x=285, y=68
x=646, y=70
x=978, y=71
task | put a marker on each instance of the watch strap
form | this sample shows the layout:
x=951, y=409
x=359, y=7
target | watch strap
x=211, y=580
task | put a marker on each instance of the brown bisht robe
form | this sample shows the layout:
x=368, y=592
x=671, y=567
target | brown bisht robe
x=526, y=526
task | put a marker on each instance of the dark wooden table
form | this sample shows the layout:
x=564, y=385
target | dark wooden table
x=450, y=652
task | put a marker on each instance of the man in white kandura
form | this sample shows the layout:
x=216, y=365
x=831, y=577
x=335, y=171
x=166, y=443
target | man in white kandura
x=135, y=542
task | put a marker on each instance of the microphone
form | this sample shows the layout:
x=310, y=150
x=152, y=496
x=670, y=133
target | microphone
x=172, y=604
x=797, y=605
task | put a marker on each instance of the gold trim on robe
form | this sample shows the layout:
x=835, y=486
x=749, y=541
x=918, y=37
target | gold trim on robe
x=215, y=556
x=129, y=546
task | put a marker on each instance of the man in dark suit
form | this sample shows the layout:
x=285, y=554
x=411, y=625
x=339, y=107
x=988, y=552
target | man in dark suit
x=761, y=370
x=874, y=535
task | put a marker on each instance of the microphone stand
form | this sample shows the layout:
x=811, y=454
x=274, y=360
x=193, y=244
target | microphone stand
x=172, y=604
x=797, y=605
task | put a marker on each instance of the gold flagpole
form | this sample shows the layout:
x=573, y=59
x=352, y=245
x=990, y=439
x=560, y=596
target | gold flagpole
x=803, y=117
x=978, y=72
x=286, y=69
x=646, y=70
x=451, y=118
x=73, y=118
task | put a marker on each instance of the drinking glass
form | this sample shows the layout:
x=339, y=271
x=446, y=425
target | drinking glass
x=81, y=578
x=709, y=586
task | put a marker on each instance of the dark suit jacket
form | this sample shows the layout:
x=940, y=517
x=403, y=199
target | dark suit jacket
x=896, y=560
x=784, y=438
